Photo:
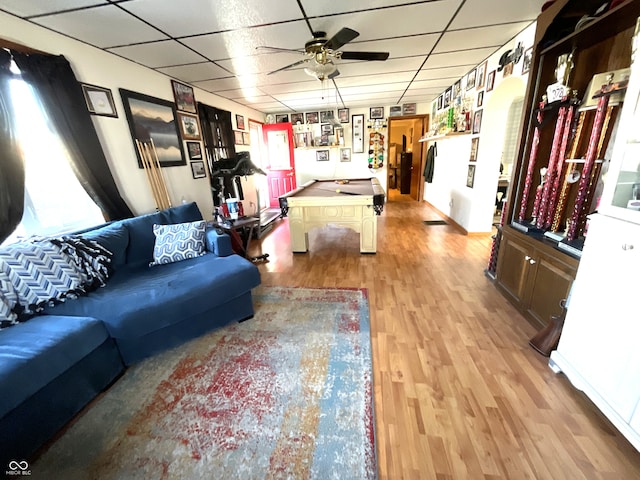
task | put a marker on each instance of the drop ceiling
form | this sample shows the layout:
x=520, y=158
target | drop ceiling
x=211, y=44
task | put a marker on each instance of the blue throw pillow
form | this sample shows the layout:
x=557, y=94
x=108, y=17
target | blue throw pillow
x=178, y=242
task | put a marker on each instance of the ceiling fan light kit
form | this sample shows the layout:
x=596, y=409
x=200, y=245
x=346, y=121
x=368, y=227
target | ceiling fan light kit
x=322, y=53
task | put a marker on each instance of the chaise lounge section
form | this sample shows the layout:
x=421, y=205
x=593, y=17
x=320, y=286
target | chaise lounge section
x=52, y=365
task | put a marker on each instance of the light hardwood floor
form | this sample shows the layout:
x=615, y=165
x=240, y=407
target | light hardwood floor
x=458, y=392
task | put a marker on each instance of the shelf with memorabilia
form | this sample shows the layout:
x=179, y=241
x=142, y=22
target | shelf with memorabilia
x=578, y=72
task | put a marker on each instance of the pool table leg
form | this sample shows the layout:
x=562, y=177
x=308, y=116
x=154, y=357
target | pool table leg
x=368, y=232
x=299, y=238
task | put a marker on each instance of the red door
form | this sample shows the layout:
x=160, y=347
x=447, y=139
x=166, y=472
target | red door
x=281, y=172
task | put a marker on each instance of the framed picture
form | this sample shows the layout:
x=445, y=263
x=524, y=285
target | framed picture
x=395, y=110
x=477, y=121
x=297, y=118
x=408, y=109
x=326, y=116
x=471, y=175
x=185, y=99
x=324, y=140
x=284, y=118
x=189, y=127
x=457, y=89
x=343, y=115
x=322, y=155
x=154, y=118
x=237, y=137
x=471, y=79
x=357, y=133
x=345, y=154
x=194, y=150
x=481, y=73
x=480, y=98
x=440, y=102
x=246, y=138
x=198, y=170
x=447, y=97
x=526, y=60
x=507, y=70
x=339, y=133
x=312, y=117
x=491, y=78
x=326, y=129
x=239, y=122
x=474, y=149
x=376, y=112
x=99, y=100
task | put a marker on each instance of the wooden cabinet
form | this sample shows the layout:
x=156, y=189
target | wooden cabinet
x=533, y=276
x=533, y=271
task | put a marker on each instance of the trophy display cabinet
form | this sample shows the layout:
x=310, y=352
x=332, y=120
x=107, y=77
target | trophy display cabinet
x=581, y=56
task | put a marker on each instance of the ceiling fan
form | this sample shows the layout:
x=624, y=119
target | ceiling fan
x=322, y=52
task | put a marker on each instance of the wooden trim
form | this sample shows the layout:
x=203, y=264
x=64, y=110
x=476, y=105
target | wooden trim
x=19, y=47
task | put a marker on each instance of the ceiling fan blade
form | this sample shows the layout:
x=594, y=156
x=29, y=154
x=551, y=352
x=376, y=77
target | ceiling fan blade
x=333, y=75
x=365, y=55
x=289, y=66
x=278, y=49
x=341, y=38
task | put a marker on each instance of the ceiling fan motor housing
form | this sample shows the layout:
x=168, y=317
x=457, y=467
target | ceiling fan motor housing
x=316, y=45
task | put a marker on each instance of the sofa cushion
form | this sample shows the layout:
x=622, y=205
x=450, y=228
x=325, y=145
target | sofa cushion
x=178, y=242
x=188, y=212
x=34, y=353
x=113, y=237
x=139, y=300
x=141, y=237
x=33, y=274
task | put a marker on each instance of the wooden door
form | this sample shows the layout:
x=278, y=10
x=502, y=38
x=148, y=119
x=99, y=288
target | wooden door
x=280, y=164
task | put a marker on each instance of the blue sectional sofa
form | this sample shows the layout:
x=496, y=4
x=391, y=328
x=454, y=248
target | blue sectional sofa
x=56, y=362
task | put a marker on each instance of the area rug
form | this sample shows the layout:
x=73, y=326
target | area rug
x=287, y=394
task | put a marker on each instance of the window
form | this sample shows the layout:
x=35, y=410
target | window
x=55, y=202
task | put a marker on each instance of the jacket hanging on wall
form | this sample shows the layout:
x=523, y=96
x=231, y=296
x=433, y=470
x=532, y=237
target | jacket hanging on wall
x=430, y=164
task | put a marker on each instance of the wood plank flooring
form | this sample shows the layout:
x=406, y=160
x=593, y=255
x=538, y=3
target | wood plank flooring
x=458, y=391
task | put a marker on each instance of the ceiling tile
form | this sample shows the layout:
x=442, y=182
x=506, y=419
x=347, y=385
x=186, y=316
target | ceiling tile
x=195, y=72
x=106, y=26
x=495, y=36
x=191, y=17
x=316, y=8
x=477, y=12
x=263, y=63
x=158, y=54
x=375, y=68
x=218, y=84
x=474, y=57
x=392, y=22
x=444, y=72
x=397, y=47
x=243, y=42
x=274, y=89
x=24, y=8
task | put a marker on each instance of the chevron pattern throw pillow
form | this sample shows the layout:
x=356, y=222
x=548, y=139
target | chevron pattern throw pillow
x=178, y=242
x=32, y=275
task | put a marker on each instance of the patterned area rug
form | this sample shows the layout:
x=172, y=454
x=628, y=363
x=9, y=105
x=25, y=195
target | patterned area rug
x=287, y=394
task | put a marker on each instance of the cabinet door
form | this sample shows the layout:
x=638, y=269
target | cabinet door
x=601, y=332
x=550, y=284
x=514, y=267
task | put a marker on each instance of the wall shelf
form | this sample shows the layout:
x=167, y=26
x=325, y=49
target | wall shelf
x=444, y=135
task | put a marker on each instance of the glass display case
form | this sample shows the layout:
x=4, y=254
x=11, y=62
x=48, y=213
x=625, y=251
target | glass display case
x=621, y=195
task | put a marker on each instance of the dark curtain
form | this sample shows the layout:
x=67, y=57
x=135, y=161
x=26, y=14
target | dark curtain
x=63, y=101
x=11, y=164
x=219, y=144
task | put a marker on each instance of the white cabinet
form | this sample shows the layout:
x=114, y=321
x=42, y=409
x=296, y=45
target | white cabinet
x=599, y=349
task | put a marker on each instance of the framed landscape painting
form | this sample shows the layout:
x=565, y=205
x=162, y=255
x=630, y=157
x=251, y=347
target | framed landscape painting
x=152, y=118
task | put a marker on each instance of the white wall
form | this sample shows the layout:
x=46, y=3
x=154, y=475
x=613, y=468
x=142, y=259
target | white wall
x=472, y=208
x=307, y=168
x=95, y=66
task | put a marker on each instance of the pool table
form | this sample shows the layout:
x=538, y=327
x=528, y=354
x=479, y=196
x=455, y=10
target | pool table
x=353, y=203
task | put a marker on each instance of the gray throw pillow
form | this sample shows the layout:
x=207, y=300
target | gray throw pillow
x=178, y=242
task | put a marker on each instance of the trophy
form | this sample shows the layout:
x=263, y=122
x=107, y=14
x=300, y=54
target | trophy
x=559, y=90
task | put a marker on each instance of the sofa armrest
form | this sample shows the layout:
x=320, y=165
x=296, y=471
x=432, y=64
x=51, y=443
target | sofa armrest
x=218, y=243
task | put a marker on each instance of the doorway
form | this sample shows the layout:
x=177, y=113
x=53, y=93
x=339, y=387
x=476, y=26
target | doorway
x=406, y=157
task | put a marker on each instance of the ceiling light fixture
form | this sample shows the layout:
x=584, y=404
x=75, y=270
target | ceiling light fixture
x=320, y=71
